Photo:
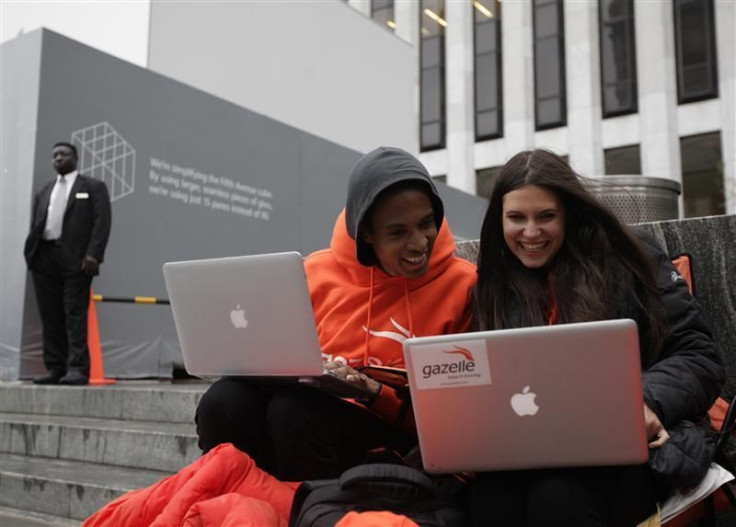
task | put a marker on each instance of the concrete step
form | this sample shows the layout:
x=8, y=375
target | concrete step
x=137, y=444
x=67, y=489
x=17, y=518
x=132, y=400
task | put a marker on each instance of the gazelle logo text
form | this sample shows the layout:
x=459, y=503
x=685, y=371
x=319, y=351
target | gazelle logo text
x=440, y=365
x=466, y=364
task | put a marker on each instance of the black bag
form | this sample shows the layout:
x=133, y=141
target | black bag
x=376, y=487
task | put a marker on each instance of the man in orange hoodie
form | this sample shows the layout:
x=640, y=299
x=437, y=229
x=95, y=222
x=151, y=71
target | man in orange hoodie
x=390, y=273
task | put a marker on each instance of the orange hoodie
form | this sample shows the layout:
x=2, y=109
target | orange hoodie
x=364, y=315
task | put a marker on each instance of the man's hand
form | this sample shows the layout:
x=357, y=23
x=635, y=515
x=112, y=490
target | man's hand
x=656, y=434
x=353, y=376
x=90, y=266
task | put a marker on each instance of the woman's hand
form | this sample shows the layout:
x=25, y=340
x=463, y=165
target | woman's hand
x=656, y=434
x=353, y=376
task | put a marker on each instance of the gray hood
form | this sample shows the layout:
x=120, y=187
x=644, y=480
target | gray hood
x=371, y=175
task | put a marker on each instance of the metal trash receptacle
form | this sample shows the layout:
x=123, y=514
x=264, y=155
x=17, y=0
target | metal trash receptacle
x=638, y=199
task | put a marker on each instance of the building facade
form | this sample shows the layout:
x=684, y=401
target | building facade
x=617, y=86
x=319, y=66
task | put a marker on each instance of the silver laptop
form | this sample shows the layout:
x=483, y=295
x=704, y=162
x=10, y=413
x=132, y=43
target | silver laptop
x=554, y=396
x=249, y=316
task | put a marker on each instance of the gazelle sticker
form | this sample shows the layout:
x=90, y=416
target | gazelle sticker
x=451, y=365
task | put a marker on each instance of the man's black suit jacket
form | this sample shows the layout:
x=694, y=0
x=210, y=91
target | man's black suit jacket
x=86, y=225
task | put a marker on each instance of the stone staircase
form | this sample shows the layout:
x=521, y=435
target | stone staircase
x=67, y=451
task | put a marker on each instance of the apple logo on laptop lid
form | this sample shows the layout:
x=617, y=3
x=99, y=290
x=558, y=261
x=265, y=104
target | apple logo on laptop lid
x=523, y=403
x=237, y=317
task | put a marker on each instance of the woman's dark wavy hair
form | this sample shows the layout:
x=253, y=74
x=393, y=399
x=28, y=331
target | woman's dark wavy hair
x=599, y=268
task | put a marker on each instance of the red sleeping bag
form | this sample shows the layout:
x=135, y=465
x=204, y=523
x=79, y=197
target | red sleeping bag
x=223, y=488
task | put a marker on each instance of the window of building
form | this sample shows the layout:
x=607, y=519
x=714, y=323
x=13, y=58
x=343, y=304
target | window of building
x=383, y=11
x=622, y=161
x=549, y=64
x=702, y=175
x=440, y=179
x=488, y=71
x=432, y=58
x=618, y=57
x=484, y=179
x=697, y=73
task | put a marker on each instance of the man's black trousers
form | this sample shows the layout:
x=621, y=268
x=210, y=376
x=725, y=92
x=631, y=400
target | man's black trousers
x=293, y=432
x=63, y=299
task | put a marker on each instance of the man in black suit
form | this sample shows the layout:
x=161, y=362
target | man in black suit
x=69, y=231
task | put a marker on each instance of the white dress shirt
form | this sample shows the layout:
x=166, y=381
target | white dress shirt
x=69, y=181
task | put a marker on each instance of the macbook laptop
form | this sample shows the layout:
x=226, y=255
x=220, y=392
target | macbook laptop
x=554, y=396
x=249, y=316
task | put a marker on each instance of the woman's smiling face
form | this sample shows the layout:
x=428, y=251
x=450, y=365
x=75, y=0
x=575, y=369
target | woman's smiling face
x=402, y=231
x=533, y=225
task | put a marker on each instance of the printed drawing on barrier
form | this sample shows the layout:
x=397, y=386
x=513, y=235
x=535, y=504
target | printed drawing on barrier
x=192, y=187
x=104, y=154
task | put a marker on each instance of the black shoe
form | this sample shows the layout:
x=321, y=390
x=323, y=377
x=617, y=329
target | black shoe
x=49, y=378
x=74, y=378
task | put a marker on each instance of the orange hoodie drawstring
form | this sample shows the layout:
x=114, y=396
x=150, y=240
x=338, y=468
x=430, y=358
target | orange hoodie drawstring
x=368, y=324
x=370, y=314
x=408, y=308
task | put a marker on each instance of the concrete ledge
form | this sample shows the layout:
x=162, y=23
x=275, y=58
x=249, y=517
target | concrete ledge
x=17, y=518
x=157, y=446
x=711, y=241
x=150, y=401
x=45, y=485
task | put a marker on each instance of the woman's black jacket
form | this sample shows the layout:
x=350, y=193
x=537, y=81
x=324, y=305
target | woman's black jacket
x=684, y=382
x=688, y=376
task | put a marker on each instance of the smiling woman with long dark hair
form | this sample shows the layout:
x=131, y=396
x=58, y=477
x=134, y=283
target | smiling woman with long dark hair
x=551, y=253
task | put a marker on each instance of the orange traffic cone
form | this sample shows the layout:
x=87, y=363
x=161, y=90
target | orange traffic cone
x=96, y=371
